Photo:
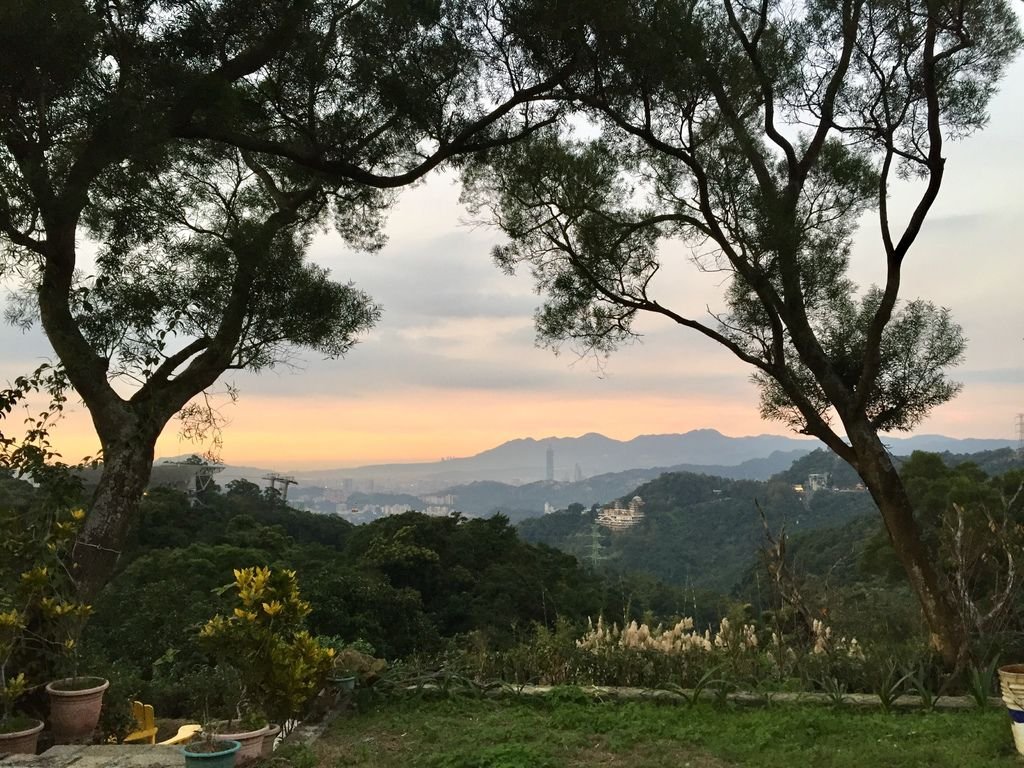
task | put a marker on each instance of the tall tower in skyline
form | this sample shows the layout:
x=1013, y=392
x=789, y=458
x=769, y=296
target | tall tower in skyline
x=549, y=475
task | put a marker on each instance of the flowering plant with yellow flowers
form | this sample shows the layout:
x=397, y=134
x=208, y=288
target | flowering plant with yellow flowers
x=282, y=666
x=38, y=622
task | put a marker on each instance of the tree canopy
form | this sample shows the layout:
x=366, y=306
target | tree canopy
x=760, y=136
x=201, y=146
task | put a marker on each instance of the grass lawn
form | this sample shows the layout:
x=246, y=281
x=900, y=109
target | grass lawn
x=566, y=731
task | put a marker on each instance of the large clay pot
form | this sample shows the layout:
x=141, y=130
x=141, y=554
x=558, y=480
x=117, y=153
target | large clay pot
x=21, y=742
x=222, y=754
x=75, y=705
x=251, y=744
x=1011, y=684
x=269, y=738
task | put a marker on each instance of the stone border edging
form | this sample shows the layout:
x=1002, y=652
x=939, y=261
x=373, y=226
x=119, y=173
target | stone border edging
x=750, y=698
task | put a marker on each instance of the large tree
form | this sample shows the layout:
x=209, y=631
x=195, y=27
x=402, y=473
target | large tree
x=761, y=135
x=201, y=144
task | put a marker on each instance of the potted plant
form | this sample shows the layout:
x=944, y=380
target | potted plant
x=210, y=750
x=247, y=730
x=354, y=663
x=31, y=576
x=75, y=700
x=18, y=733
x=220, y=693
x=343, y=679
x=270, y=739
x=1011, y=683
x=281, y=665
x=75, y=706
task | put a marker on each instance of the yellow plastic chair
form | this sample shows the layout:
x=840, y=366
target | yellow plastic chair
x=145, y=719
x=145, y=722
x=184, y=734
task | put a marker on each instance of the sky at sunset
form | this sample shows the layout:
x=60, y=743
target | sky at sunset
x=452, y=368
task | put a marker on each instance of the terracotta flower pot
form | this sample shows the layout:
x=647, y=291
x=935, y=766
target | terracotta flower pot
x=74, y=709
x=269, y=738
x=251, y=744
x=21, y=742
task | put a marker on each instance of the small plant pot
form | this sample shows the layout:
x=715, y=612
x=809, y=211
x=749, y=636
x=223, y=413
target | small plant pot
x=198, y=755
x=344, y=684
x=251, y=744
x=75, y=705
x=269, y=739
x=1011, y=683
x=21, y=742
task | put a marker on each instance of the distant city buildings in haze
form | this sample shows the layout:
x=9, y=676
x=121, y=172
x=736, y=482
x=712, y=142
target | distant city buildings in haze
x=550, y=474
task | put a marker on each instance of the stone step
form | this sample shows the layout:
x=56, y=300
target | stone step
x=99, y=756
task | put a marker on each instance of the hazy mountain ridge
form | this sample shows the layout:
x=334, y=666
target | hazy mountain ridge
x=523, y=461
x=486, y=497
x=517, y=501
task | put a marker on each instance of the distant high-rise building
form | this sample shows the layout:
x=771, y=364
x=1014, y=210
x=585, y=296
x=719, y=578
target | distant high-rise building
x=577, y=475
x=550, y=474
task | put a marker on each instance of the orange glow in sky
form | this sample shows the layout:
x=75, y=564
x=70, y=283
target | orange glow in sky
x=304, y=433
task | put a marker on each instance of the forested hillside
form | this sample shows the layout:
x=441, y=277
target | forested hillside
x=996, y=462
x=705, y=532
x=404, y=584
x=698, y=531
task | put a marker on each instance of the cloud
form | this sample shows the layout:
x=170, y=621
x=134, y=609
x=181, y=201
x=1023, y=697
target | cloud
x=998, y=376
x=453, y=366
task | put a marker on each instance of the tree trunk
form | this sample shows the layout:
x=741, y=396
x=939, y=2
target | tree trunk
x=886, y=487
x=127, y=463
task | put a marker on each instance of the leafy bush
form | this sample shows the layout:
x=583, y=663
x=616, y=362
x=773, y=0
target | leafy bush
x=280, y=664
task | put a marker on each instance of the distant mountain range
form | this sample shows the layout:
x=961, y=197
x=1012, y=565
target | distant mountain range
x=485, y=497
x=523, y=461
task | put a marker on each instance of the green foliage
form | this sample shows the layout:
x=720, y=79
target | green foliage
x=701, y=532
x=281, y=665
x=40, y=620
x=470, y=606
x=971, y=524
x=171, y=594
x=473, y=574
x=202, y=147
x=820, y=461
x=695, y=146
x=754, y=141
x=887, y=682
x=982, y=682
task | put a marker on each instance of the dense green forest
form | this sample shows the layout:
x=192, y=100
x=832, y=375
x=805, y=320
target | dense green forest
x=698, y=531
x=995, y=462
x=412, y=585
x=706, y=532
x=405, y=585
